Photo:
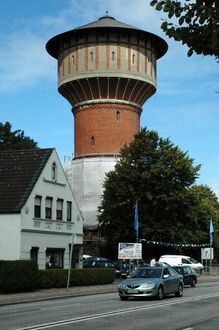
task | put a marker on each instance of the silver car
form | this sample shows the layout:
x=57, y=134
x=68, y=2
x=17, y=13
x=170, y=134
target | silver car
x=152, y=281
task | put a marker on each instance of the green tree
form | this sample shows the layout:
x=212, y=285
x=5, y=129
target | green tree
x=204, y=206
x=157, y=174
x=198, y=24
x=14, y=140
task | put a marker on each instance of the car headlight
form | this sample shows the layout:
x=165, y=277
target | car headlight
x=122, y=286
x=148, y=285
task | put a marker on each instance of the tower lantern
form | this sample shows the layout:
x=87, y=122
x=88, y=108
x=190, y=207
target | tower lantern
x=106, y=70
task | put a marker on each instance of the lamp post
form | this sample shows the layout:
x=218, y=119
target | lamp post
x=70, y=259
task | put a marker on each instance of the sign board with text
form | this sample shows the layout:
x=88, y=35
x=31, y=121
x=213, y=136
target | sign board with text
x=130, y=251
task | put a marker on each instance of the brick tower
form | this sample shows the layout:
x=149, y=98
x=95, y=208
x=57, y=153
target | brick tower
x=106, y=70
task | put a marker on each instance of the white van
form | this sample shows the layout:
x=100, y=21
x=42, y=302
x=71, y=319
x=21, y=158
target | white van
x=176, y=260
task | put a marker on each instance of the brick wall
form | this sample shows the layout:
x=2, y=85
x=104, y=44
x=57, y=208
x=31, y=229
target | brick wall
x=104, y=128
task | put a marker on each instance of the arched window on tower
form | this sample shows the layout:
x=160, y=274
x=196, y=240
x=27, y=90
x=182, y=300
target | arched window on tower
x=113, y=56
x=118, y=115
x=73, y=59
x=91, y=56
x=92, y=141
x=133, y=58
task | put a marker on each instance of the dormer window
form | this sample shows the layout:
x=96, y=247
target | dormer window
x=54, y=171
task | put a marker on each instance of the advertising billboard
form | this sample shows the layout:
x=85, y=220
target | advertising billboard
x=130, y=251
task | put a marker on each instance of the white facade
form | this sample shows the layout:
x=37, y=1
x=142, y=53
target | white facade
x=27, y=233
x=10, y=236
x=86, y=177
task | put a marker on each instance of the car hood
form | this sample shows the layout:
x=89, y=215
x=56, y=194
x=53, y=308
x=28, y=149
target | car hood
x=140, y=281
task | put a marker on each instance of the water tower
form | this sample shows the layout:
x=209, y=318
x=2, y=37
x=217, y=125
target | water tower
x=106, y=70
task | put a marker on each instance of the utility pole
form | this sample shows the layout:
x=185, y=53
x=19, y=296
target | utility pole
x=70, y=259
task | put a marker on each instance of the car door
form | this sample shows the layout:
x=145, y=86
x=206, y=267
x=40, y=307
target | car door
x=174, y=279
x=167, y=281
x=186, y=276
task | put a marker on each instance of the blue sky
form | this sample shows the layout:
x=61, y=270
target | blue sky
x=185, y=107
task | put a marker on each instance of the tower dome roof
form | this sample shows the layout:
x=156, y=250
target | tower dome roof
x=104, y=23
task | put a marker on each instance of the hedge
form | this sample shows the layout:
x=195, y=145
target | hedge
x=57, y=278
x=23, y=275
x=18, y=275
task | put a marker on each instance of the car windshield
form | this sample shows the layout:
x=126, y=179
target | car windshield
x=147, y=273
x=193, y=261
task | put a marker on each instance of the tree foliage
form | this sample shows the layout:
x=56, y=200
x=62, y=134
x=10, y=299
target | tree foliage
x=198, y=24
x=14, y=140
x=158, y=174
x=204, y=206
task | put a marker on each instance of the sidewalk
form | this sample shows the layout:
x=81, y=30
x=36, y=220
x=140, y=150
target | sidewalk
x=45, y=294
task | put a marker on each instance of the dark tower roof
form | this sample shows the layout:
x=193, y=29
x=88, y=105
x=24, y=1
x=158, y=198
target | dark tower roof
x=105, y=23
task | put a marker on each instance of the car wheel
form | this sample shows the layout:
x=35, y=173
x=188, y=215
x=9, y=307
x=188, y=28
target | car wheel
x=179, y=292
x=193, y=283
x=160, y=293
x=123, y=298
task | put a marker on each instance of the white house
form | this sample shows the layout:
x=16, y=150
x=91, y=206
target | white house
x=39, y=217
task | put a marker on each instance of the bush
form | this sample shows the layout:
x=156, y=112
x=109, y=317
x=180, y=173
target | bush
x=18, y=275
x=23, y=275
x=52, y=278
x=57, y=278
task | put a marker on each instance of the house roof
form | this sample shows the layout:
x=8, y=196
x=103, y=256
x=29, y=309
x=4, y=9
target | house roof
x=19, y=171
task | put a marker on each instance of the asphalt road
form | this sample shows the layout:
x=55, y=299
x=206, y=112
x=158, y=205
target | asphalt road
x=197, y=309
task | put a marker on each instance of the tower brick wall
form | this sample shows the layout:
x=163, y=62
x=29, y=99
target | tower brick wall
x=104, y=128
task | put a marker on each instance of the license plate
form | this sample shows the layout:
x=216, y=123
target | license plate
x=132, y=291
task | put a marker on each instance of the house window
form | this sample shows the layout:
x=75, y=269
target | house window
x=54, y=258
x=34, y=253
x=59, y=209
x=113, y=56
x=117, y=115
x=37, y=206
x=91, y=56
x=92, y=141
x=48, y=208
x=54, y=171
x=69, y=208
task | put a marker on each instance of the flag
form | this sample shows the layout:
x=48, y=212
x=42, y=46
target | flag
x=136, y=220
x=211, y=232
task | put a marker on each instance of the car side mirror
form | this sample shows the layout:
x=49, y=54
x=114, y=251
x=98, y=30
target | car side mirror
x=166, y=276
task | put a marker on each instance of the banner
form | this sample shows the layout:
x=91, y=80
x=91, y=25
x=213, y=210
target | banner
x=173, y=245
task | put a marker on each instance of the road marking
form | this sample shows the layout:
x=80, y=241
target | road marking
x=122, y=311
